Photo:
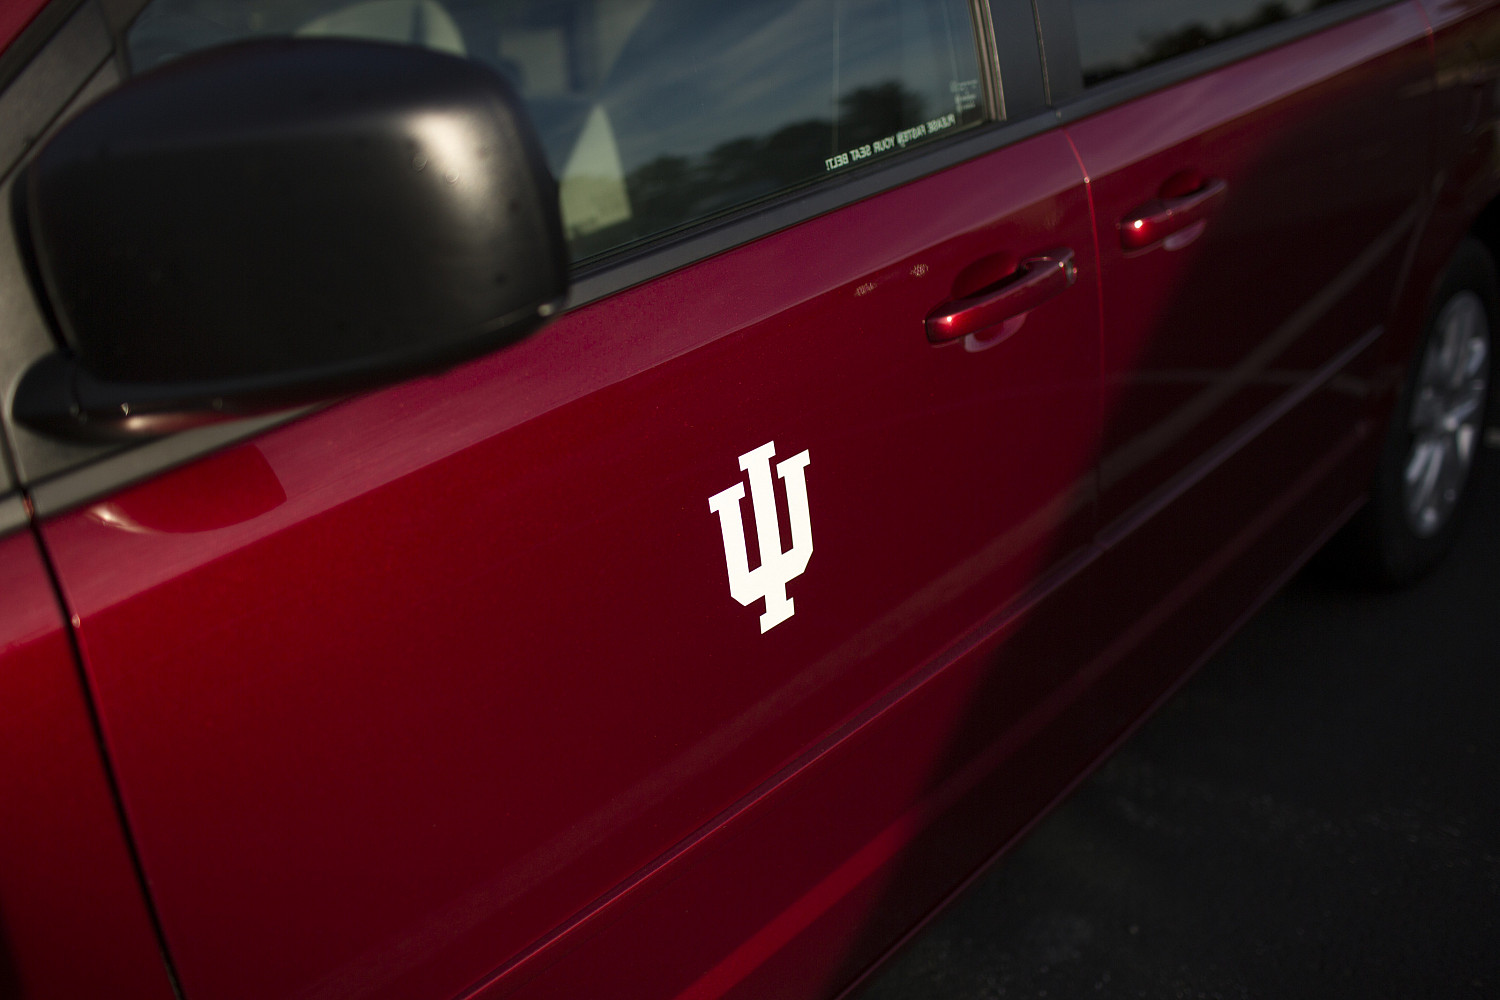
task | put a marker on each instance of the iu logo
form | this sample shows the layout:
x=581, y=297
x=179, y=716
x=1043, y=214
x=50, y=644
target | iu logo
x=777, y=568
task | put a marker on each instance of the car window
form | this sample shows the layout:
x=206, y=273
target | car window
x=656, y=114
x=1118, y=36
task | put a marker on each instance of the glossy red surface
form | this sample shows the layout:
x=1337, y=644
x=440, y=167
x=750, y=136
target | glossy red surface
x=1172, y=220
x=1294, y=261
x=816, y=900
x=1037, y=280
x=481, y=666
x=72, y=921
x=443, y=691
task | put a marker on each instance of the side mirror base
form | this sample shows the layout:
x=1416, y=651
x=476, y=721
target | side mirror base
x=58, y=397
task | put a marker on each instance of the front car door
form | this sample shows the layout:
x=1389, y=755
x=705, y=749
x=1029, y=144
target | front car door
x=558, y=665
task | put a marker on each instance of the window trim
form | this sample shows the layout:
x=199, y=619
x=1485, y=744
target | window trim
x=35, y=92
x=13, y=516
x=34, y=37
x=988, y=59
x=1057, y=33
x=59, y=67
x=1017, y=52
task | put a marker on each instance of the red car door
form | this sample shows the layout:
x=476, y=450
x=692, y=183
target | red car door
x=72, y=882
x=430, y=689
x=1257, y=199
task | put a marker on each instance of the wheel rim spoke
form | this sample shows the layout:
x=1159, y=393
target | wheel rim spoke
x=1427, y=411
x=1450, y=473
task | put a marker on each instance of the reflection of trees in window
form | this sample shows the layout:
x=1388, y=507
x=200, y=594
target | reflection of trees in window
x=872, y=113
x=1194, y=36
x=672, y=189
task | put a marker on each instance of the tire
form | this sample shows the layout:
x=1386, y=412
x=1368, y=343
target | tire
x=1436, y=432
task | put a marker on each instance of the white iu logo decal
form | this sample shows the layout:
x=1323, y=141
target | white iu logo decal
x=776, y=568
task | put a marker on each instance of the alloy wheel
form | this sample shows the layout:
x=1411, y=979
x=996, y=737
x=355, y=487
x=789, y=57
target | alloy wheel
x=1446, y=413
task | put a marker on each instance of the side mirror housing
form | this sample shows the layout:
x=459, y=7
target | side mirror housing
x=277, y=222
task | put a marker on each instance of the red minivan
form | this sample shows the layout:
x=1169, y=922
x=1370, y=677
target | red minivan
x=641, y=498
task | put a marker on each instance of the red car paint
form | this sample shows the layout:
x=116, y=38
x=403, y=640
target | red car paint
x=73, y=919
x=421, y=722
x=440, y=692
x=1288, y=267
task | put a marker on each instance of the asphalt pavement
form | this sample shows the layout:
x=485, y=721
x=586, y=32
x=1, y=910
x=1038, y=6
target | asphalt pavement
x=1315, y=814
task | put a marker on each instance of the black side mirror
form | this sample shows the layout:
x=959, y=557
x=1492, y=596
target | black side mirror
x=277, y=222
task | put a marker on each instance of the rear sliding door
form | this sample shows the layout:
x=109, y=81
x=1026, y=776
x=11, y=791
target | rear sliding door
x=1257, y=172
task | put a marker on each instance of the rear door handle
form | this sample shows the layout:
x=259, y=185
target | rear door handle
x=1036, y=280
x=1158, y=219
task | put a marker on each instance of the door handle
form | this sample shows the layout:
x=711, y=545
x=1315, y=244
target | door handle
x=1036, y=280
x=1154, y=221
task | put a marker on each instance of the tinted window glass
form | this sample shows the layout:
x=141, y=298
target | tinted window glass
x=1117, y=36
x=659, y=113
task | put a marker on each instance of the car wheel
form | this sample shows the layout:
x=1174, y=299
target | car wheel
x=1436, y=432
